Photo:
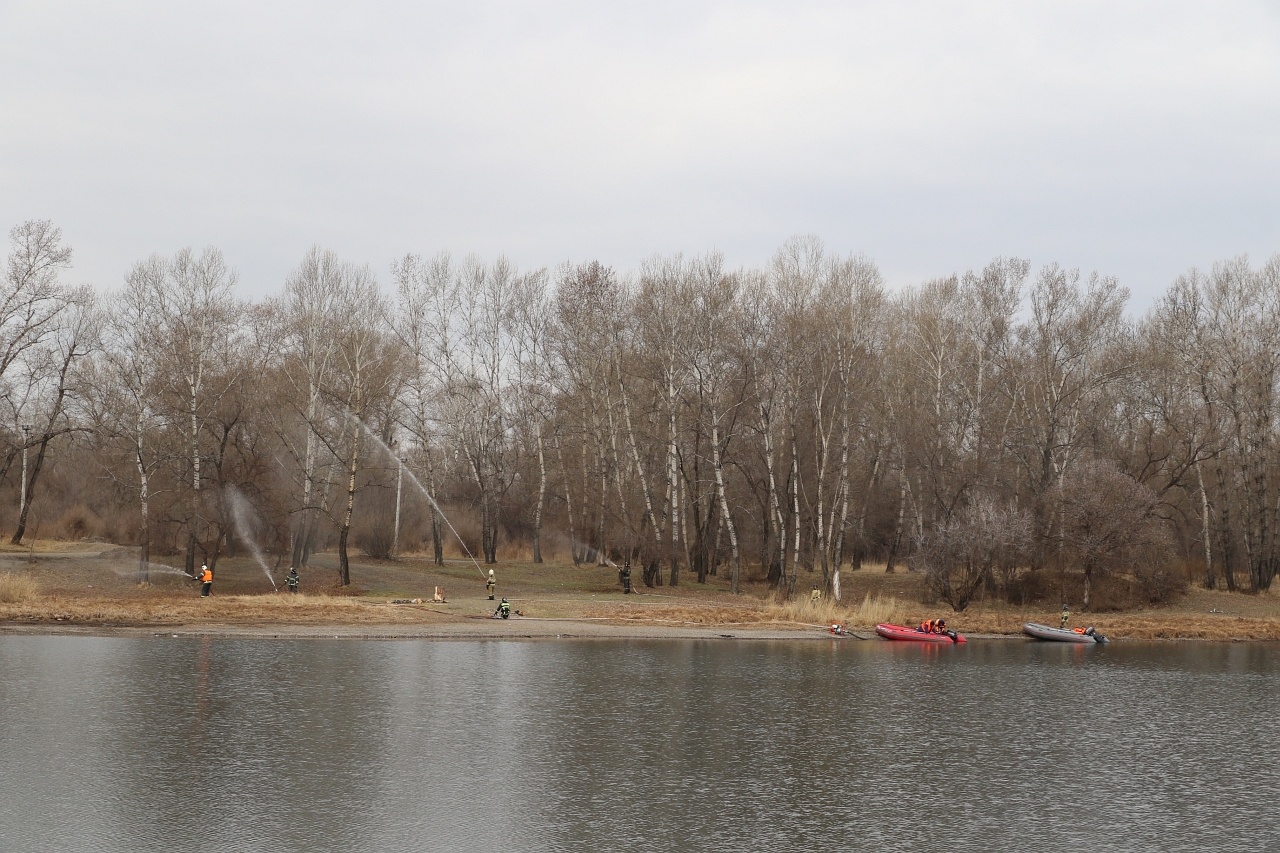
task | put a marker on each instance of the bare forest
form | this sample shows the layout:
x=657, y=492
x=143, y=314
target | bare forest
x=1009, y=432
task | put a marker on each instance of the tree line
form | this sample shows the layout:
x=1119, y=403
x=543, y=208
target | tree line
x=1002, y=431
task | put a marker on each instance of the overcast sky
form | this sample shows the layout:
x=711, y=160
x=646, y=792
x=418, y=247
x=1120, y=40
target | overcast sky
x=1133, y=138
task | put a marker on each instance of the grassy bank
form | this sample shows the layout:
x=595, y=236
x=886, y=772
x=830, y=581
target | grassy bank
x=98, y=587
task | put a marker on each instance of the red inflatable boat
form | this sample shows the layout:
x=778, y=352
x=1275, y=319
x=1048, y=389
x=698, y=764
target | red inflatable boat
x=898, y=632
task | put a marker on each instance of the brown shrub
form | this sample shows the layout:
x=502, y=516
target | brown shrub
x=375, y=539
x=1147, y=585
x=1034, y=586
x=78, y=522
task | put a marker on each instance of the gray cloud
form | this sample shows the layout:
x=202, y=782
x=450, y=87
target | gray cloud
x=1136, y=138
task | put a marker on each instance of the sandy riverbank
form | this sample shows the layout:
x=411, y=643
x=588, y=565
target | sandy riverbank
x=512, y=629
x=96, y=591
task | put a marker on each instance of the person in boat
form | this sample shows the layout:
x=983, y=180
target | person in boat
x=933, y=626
x=1066, y=616
x=504, y=609
x=1088, y=632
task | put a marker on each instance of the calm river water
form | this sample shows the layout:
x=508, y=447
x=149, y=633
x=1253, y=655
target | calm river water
x=225, y=744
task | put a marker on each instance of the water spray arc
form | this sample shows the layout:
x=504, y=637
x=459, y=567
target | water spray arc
x=240, y=514
x=421, y=488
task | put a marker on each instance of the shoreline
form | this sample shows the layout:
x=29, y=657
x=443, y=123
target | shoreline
x=527, y=629
x=515, y=629
x=94, y=592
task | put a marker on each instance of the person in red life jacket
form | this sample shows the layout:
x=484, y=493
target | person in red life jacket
x=206, y=580
x=934, y=626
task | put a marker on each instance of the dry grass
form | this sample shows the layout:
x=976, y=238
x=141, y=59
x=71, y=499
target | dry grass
x=742, y=611
x=17, y=588
x=95, y=585
x=825, y=611
x=874, y=609
x=269, y=609
x=48, y=546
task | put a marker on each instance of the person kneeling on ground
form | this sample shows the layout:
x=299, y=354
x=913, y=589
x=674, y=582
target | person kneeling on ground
x=504, y=609
x=838, y=629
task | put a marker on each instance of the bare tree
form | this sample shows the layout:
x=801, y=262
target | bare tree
x=720, y=387
x=796, y=272
x=1243, y=332
x=1065, y=352
x=529, y=320
x=55, y=375
x=1177, y=427
x=127, y=382
x=195, y=320
x=853, y=292
x=315, y=296
x=425, y=322
x=763, y=350
x=478, y=395
x=962, y=554
x=32, y=298
x=589, y=306
x=1109, y=523
x=366, y=371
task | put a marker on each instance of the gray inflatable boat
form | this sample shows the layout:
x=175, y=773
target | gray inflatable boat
x=1062, y=635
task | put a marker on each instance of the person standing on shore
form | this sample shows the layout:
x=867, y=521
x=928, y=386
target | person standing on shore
x=1066, y=616
x=206, y=580
x=490, y=585
x=292, y=580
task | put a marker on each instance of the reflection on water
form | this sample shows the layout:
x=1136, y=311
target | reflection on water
x=221, y=744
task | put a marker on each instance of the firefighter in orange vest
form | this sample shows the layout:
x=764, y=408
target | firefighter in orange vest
x=206, y=580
